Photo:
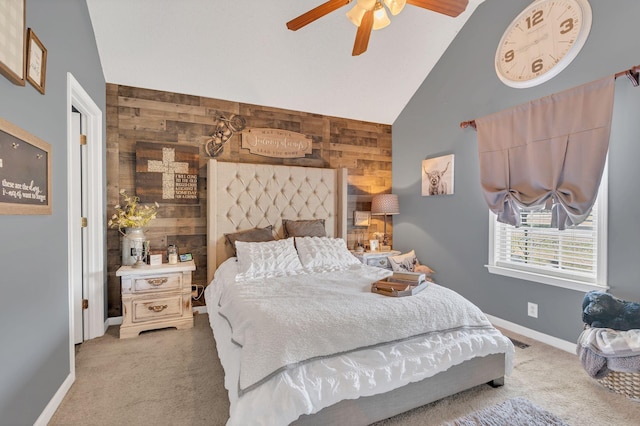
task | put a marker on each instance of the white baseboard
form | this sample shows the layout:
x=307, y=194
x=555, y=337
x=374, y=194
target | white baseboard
x=113, y=321
x=55, y=402
x=200, y=309
x=527, y=332
x=118, y=320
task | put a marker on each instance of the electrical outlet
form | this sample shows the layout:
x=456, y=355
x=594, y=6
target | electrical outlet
x=532, y=309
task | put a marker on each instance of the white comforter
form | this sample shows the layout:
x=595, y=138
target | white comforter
x=303, y=378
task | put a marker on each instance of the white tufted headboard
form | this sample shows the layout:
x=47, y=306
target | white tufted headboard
x=242, y=196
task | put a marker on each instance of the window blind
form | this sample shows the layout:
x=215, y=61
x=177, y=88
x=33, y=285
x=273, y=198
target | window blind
x=536, y=247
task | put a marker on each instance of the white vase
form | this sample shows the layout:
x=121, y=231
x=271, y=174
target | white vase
x=132, y=245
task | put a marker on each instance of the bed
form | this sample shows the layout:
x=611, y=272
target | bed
x=301, y=339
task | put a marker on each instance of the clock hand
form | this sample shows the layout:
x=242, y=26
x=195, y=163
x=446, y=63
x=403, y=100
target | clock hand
x=533, y=43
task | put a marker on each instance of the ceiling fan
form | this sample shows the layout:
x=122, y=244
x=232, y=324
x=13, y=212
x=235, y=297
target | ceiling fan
x=370, y=15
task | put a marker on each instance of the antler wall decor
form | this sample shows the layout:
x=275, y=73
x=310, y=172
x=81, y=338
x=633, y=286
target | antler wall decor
x=224, y=130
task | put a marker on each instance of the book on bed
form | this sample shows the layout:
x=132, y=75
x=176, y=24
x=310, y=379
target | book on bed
x=400, y=284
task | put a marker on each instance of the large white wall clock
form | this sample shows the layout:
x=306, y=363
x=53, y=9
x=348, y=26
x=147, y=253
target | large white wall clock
x=541, y=41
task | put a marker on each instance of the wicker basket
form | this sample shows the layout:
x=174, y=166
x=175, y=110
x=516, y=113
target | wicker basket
x=627, y=384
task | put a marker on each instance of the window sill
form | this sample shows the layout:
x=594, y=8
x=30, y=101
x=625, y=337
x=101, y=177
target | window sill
x=545, y=279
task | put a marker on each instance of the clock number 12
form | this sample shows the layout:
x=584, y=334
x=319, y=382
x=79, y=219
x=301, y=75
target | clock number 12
x=535, y=19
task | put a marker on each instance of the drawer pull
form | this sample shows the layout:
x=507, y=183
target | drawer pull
x=158, y=308
x=157, y=282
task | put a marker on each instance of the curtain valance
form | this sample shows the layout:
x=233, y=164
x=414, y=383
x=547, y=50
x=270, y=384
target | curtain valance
x=549, y=152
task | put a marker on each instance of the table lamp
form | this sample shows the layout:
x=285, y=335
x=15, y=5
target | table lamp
x=385, y=204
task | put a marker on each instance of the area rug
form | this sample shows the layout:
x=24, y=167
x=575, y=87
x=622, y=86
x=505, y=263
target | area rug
x=512, y=412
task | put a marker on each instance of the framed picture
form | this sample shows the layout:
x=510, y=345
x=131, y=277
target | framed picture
x=25, y=172
x=374, y=245
x=185, y=257
x=36, y=61
x=361, y=218
x=437, y=175
x=167, y=173
x=12, y=40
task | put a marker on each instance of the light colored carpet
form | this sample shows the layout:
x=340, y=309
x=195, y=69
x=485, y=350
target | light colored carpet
x=512, y=412
x=174, y=377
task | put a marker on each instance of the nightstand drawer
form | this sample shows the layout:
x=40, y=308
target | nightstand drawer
x=380, y=262
x=145, y=310
x=157, y=283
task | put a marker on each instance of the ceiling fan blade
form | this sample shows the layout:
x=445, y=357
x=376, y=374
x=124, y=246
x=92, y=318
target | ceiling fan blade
x=315, y=13
x=363, y=34
x=446, y=7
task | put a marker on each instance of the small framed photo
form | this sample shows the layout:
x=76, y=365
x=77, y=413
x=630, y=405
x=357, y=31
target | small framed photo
x=155, y=259
x=36, y=61
x=185, y=257
x=373, y=245
x=361, y=218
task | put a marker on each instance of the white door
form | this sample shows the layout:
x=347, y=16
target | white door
x=85, y=198
x=79, y=191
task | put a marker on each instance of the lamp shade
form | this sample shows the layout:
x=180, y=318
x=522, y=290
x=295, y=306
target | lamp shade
x=355, y=14
x=385, y=204
x=395, y=6
x=380, y=17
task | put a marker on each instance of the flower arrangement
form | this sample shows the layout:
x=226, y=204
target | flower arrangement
x=132, y=215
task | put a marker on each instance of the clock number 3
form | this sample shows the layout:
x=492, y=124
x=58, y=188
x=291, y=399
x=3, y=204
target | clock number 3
x=566, y=26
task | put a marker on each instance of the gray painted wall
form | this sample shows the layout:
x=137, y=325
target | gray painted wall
x=34, y=308
x=450, y=233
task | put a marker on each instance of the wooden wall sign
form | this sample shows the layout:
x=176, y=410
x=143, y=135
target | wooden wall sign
x=167, y=173
x=276, y=143
x=25, y=172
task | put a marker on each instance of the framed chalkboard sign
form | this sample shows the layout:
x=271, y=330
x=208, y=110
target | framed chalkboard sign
x=25, y=172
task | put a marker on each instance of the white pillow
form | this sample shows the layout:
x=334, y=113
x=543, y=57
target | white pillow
x=267, y=259
x=404, y=262
x=324, y=253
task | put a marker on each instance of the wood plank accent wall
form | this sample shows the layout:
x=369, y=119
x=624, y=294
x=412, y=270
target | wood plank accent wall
x=136, y=114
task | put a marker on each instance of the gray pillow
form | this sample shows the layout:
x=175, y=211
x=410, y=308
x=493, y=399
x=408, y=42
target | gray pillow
x=304, y=228
x=255, y=235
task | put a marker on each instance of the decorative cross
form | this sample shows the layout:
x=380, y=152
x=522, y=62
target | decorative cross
x=168, y=167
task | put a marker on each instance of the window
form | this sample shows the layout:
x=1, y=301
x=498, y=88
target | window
x=575, y=258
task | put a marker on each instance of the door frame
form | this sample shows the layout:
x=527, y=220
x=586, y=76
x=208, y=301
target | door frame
x=94, y=286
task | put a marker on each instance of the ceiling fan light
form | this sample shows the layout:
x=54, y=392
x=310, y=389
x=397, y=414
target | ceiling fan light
x=380, y=17
x=395, y=6
x=367, y=4
x=355, y=14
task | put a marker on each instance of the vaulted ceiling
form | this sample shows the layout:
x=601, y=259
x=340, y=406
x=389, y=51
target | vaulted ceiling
x=241, y=50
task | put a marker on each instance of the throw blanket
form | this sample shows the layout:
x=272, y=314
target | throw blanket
x=285, y=321
x=611, y=343
x=602, y=350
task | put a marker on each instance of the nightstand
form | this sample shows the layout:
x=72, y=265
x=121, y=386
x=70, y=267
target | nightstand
x=376, y=258
x=155, y=297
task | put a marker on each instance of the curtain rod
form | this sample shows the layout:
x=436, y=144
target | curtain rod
x=632, y=73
